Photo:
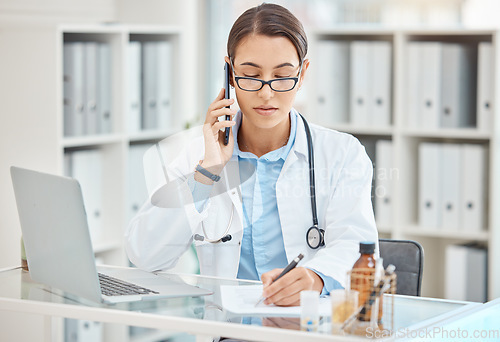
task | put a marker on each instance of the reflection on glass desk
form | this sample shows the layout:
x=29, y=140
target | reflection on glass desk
x=204, y=316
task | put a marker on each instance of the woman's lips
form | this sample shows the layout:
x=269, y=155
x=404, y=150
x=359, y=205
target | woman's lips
x=266, y=111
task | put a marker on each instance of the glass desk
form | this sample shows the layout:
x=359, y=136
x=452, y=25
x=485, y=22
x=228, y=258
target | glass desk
x=203, y=316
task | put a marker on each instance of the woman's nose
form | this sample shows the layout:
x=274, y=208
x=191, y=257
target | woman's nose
x=266, y=92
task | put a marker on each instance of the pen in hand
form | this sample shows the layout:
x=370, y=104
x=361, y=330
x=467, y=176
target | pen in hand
x=287, y=269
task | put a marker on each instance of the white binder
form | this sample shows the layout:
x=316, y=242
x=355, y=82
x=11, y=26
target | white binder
x=150, y=85
x=104, y=89
x=360, y=82
x=86, y=168
x=429, y=213
x=134, y=86
x=413, y=88
x=457, y=84
x=450, y=186
x=384, y=183
x=91, y=118
x=430, y=94
x=138, y=192
x=164, y=79
x=473, y=195
x=74, y=119
x=485, y=86
x=332, y=71
x=466, y=273
x=379, y=104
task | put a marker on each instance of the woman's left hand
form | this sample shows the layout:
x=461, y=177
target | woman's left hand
x=286, y=290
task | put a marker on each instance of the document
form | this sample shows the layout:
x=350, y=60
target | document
x=242, y=299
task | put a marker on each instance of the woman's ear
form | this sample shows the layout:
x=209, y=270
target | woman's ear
x=231, y=79
x=305, y=66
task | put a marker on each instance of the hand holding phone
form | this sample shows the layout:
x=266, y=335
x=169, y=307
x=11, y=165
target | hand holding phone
x=226, y=96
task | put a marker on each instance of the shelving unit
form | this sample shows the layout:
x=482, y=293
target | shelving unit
x=115, y=146
x=406, y=139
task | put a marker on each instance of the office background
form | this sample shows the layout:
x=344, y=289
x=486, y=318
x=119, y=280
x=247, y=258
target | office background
x=38, y=38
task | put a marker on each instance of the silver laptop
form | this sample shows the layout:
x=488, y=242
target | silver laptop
x=59, y=249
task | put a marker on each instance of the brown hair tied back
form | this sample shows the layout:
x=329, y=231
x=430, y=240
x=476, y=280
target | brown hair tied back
x=269, y=20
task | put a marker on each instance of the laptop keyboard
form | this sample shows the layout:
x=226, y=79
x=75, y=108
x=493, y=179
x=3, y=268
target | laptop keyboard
x=115, y=287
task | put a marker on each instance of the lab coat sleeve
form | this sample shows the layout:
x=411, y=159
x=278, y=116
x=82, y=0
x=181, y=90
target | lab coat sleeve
x=157, y=236
x=349, y=216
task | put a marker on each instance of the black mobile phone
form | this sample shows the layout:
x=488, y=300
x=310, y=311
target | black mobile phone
x=226, y=96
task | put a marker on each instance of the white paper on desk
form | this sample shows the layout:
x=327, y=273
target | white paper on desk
x=242, y=300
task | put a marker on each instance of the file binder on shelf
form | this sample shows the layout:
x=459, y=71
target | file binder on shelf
x=90, y=92
x=414, y=87
x=466, y=273
x=474, y=191
x=86, y=167
x=164, y=77
x=485, y=86
x=74, y=82
x=384, y=183
x=360, y=82
x=430, y=91
x=379, y=105
x=429, y=184
x=450, y=172
x=458, y=84
x=370, y=72
x=138, y=192
x=150, y=85
x=104, y=89
x=332, y=71
x=134, y=102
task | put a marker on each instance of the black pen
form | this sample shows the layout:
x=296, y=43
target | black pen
x=287, y=269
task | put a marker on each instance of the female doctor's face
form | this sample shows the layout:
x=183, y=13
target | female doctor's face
x=266, y=58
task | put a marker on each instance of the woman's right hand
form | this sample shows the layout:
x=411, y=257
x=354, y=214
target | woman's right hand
x=216, y=153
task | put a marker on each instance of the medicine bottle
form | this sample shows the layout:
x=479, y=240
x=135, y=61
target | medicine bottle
x=309, y=313
x=363, y=274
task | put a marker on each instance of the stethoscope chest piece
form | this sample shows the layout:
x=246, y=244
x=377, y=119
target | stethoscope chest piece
x=315, y=237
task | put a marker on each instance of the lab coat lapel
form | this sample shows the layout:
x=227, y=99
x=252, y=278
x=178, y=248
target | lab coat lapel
x=234, y=185
x=292, y=193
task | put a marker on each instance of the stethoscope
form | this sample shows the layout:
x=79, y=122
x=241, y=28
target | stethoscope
x=315, y=237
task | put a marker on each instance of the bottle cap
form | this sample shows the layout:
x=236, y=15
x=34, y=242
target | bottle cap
x=367, y=247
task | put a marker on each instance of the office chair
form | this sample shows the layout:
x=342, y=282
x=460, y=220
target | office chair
x=408, y=257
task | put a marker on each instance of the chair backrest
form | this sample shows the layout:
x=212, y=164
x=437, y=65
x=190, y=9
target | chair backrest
x=408, y=257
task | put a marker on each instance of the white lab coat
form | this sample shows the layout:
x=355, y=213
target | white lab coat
x=157, y=237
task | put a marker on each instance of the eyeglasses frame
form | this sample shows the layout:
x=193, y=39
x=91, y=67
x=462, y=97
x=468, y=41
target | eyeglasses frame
x=263, y=83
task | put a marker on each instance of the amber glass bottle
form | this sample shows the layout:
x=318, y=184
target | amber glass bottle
x=363, y=272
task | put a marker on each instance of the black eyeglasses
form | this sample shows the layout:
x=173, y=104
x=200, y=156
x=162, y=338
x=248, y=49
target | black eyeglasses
x=278, y=84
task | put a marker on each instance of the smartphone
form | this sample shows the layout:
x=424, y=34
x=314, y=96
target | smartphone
x=226, y=96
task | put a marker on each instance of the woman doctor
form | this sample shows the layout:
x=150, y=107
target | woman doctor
x=247, y=205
